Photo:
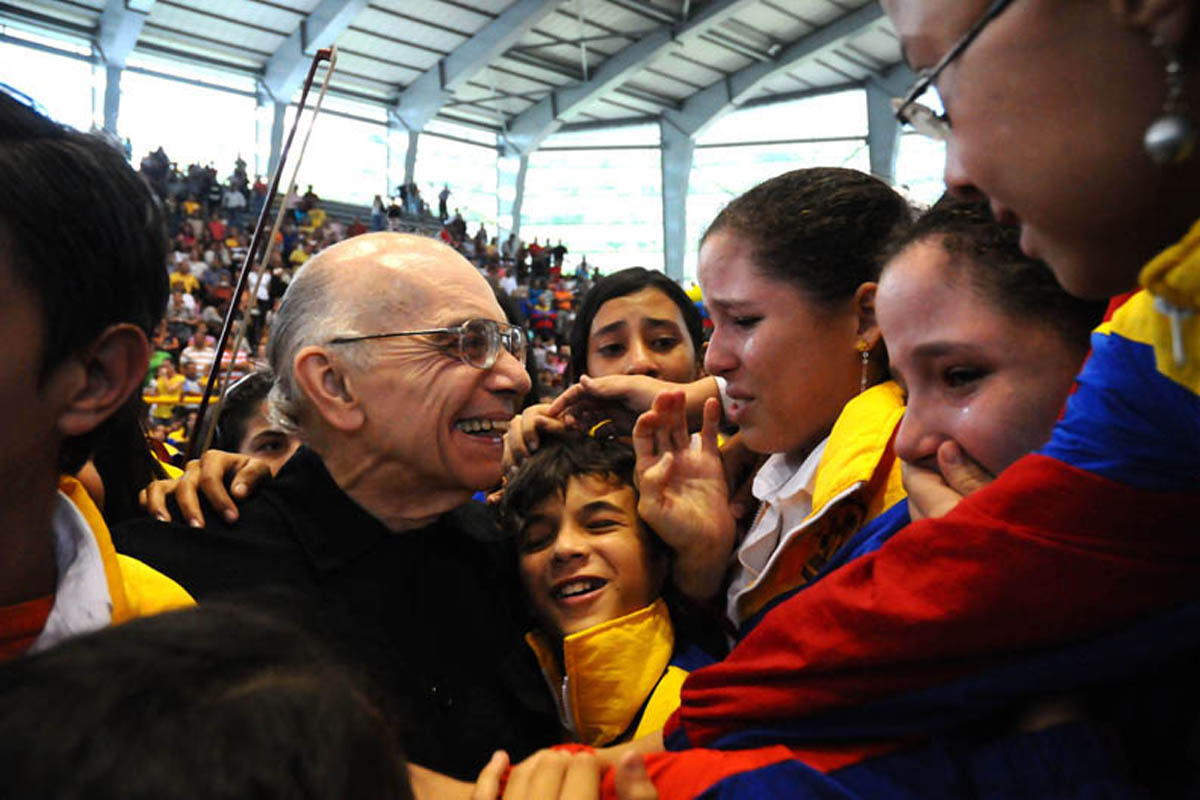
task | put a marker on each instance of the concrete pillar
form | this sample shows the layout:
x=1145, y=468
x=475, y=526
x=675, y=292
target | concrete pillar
x=677, y=149
x=410, y=157
x=510, y=193
x=112, y=98
x=397, y=151
x=883, y=133
x=279, y=110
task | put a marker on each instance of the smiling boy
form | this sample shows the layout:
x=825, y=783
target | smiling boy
x=593, y=573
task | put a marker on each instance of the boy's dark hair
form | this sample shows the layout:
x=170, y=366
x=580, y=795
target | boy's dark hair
x=822, y=229
x=211, y=703
x=989, y=255
x=620, y=284
x=81, y=230
x=560, y=458
x=241, y=401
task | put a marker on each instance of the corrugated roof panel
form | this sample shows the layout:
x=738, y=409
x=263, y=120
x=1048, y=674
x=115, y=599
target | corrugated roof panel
x=491, y=7
x=267, y=15
x=716, y=57
x=190, y=20
x=174, y=42
x=881, y=42
x=375, y=70
x=400, y=24
x=661, y=83
x=679, y=63
x=68, y=13
x=548, y=74
x=393, y=52
x=457, y=15
x=369, y=45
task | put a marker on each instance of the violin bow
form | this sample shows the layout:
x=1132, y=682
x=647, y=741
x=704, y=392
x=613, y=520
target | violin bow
x=328, y=54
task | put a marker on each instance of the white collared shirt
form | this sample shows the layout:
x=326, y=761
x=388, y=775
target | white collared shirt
x=784, y=491
x=82, y=602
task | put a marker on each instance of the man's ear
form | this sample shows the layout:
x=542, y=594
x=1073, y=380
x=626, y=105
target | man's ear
x=864, y=307
x=1172, y=21
x=91, y=385
x=329, y=388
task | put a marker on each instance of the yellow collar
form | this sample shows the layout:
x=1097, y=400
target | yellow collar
x=79, y=497
x=858, y=446
x=1174, y=274
x=610, y=671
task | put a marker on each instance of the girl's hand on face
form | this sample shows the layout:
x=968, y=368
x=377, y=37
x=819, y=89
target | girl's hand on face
x=933, y=493
x=683, y=496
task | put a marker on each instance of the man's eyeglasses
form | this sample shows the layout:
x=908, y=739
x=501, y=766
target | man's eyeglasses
x=922, y=118
x=478, y=341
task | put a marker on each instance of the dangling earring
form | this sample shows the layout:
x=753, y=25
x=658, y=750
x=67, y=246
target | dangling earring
x=865, y=350
x=1171, y=138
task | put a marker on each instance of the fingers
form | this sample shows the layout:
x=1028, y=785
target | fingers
x=570, y=396
x=962, y=473
x=670, y=432
x=708, y=428
x=643, y=437
x=523, y=436
x=154, y=498
x=632, y=781
x=487, y=785
x=214, y=466
x=186, y=497
x=928, y=494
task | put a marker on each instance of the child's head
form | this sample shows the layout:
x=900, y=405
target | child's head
x=985, y=342
x=584, y=555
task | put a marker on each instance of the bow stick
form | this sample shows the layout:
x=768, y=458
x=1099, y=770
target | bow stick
x=194, y=447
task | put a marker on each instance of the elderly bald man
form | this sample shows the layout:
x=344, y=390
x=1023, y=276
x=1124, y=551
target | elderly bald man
x=396, y=367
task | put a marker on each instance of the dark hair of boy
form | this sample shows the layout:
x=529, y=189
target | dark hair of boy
x=102, y=264
x=241, y=402
x=211, y=703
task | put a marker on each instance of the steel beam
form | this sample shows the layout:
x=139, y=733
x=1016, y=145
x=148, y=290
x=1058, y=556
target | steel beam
x=287, y=66
x=420, y=101
x=707, y=105
x=119, y=29
x=533, y=125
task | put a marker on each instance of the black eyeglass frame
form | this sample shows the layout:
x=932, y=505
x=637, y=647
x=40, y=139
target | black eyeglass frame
x=512, y=338
x=929, y=76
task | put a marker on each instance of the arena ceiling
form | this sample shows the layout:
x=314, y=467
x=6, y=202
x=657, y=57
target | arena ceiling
x=523, y=68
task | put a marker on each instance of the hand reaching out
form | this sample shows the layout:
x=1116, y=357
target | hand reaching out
x=682, y=492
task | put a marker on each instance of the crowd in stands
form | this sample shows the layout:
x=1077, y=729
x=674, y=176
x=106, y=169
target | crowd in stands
x=911, y=514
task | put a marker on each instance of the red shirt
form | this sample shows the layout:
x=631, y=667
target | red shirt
x=21, y=624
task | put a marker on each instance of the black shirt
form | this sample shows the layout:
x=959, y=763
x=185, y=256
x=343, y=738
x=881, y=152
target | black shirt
x=435, y=615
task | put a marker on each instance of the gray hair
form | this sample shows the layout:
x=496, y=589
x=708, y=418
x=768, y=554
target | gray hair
x=315, y=308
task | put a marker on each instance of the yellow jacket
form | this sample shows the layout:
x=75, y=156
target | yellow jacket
x=616, y=681
x=132, y=589
x=857, y=478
